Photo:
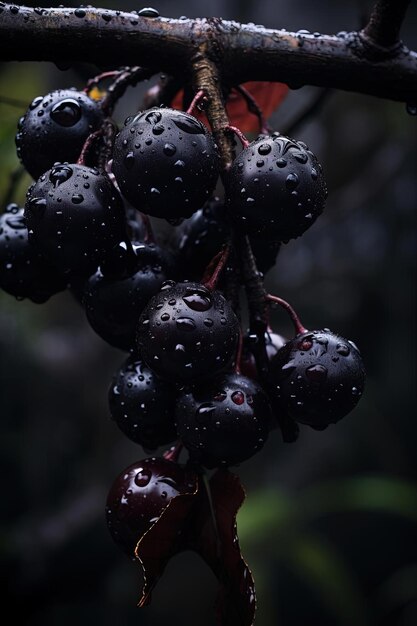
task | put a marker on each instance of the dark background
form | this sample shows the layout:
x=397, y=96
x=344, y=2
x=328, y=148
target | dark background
x=329, y=525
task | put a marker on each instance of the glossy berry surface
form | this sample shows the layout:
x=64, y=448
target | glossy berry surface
x=140, y=494
x=319, y=376
x=54, y=128
x=223, y=421
x=247, y=364
x=75, y=217
x=200, y=238
x=187, y=332
x=275, y=189
x=113, y=303
x=24, y=273
x=143, y=405
x=165, y=162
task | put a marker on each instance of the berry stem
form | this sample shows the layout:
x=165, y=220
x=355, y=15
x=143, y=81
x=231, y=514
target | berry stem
x=233, y=129
x=173, y=454
x=299, y=328
x=88, y=145
x=109, y=133
x=129, y=77
x=239, y=352
x=197, y=101
x=150, y=236
x=206, y=484
x=93, y=82
x=253, y=107
x=219, y=262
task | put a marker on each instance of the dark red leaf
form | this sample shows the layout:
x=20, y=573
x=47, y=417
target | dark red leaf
x=162, y=541
x=267, y=95
x=236, y=601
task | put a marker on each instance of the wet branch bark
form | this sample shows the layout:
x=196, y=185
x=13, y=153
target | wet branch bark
x=372, y=62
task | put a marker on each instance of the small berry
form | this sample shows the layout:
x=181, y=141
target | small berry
x=223, y=421
x=166, y=163
x=54, y=128
x=319, y=377
x=187, y=332
x=140, y=494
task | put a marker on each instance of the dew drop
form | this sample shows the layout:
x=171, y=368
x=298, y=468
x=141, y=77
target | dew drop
x=314, y=173
x=129, y=160
x=185, y=324
x=77, y=198
x=66, y=113
x=299, y=156
x=264, y=149
x=158, y=129
x=342, y=349
x=291, y=182
x=197, y=300
x=316, y=373
x=148, y=12
x=59, y=174
x=189, y=125
x=142, y=478
x=238, y=397
x=281, y=163
x=154, y=116
x=79, y=13
x=169, y=149
x=165, y=317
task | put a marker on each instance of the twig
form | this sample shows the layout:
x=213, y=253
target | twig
x=128, y=78
x=383, y=28
x=254, y=108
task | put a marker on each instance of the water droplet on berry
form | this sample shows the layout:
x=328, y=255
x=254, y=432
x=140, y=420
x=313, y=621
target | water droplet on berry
x=342, y=349
x=37, y=206
x=220, y=396
x=264, y=149
x=59, y=174
x=143, y=477
x=154, y=116
x=66, y=113
x=238, y=397
x=35, y=103
x=291, y=182
x=158, y=129
x=314, y=173
x=189, y=125
x=77, y=198
x=169, y=149
x=316, y=373
x=197, y=300
x=129, y=160
x=165, y=317
x=185, y=324
x=299, y=156
x=281, y=162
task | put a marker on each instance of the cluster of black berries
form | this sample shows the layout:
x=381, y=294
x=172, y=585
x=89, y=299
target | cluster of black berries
x=190, y=375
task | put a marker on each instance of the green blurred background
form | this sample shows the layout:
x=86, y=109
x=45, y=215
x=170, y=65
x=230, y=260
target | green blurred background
x=329, y=525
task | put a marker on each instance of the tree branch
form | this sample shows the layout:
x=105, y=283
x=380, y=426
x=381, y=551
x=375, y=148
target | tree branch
x=351, y=62
x=385, y=22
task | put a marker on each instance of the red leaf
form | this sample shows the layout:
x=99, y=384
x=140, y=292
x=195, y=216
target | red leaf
x=267, y=95
x=162, y=541
x=236, y=601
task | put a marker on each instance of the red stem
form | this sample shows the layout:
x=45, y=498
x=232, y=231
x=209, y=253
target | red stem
x=173, y=454
x=198, y=98
x=87, y=146
x=253, y=107
x=245, y=142
x=150, y=237
x=220, y=259
x=299, y=328
x=93, y=82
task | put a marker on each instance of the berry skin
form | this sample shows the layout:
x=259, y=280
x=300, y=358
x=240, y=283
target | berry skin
x=320, y=377
x=247, y=365
x=113, y=304
x=223, y=421
x=24, y=273
x=140, y=494
x=54, y=128
x=165, y=163
x=187, y=332
x=201, y=237
x=275, y=189
x=143, y=405
x=75, y=217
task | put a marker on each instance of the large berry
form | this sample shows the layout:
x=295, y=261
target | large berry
x=113, y=304
x=319, y=377
x=166, y=163
x=187, y=332
x=54, y=128
x=275, y=189
x=201, y=237
x=24, y=273
x=75, y=217
x=139, y=496
x=143, y=405
x=223, y=421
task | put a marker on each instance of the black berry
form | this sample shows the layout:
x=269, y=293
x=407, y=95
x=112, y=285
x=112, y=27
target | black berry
x=223, y=421
x=75, y=217
x=24, y=273
x=113, y=303
x=275, y=189
x=187, y=332
x=166, y=163
x=143, y=405
x=140, y=494
x=319, y=377
x=54, y=128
